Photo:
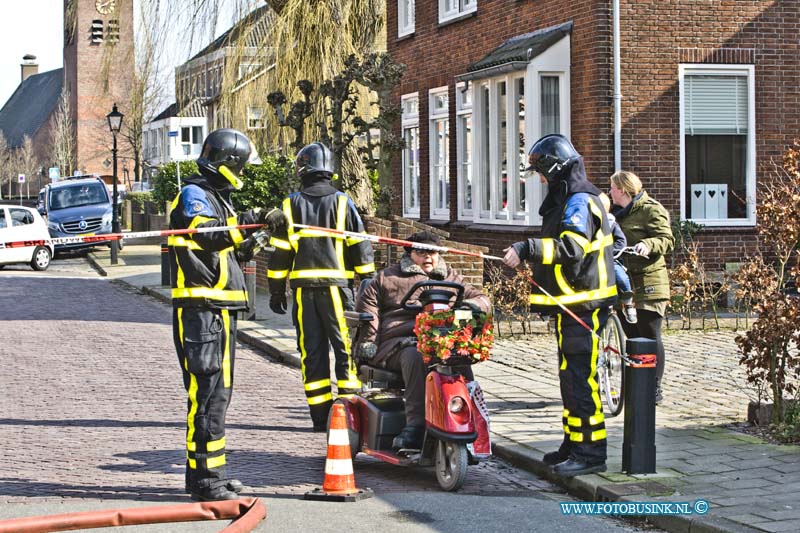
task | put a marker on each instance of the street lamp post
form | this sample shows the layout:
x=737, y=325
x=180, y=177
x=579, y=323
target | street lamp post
x=114, y=124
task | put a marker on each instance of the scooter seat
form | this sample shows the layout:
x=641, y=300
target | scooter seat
x=380, y=378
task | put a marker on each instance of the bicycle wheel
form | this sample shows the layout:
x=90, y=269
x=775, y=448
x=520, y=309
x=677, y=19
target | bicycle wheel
x=610, y=366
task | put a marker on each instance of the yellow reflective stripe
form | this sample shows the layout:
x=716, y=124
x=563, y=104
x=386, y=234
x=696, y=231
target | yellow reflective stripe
x=560, y=343
x=346, y=395
x=277, y=274
x=314, y=385
x=193, y=464
x=175, y=201
x=598, y=406
x=180, y=335
x=594, y=420
x=565, y=414
x=287, y=211
x=341, y=225
x=215, y=462
x=208, y=292
x=236, y=235
x=600, y=434
x=338, y=310
x=192, y=407
x=601, y=242
x=348, y=384
x=582, y=241
x=578, y=297
x=566, y=430
x=602, y=273
x=596, y=211
x=191, y=446
x=301, y=342
x=548, y=251
x=226, y=354
x=223, y=269
x=574, y=421
x=319, y=273
x=313, y=233
x=365, y=269
x=353, y=240
x=215, y=445
x=561, y=281
x=315, y=400
x=180, y=279
x=199, y=219
x=280, y=243
x=576, y=437
x=182, y=242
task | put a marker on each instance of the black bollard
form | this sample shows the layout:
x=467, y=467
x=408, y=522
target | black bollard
x=249, y=268
x=165, y=280
x=639, y=439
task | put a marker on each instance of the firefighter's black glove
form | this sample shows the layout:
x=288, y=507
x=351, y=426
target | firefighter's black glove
x=273, y=219
x=277, y=302
x=247, y=249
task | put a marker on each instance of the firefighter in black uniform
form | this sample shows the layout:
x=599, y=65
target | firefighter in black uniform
x=573, y=261
x=321, y=269
x=207, y=290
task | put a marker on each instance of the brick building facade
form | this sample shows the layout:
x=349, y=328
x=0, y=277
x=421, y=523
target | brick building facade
x=98, y=71
x=709, y=95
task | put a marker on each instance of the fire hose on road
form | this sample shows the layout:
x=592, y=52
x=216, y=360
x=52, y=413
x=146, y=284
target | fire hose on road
x=246, y=514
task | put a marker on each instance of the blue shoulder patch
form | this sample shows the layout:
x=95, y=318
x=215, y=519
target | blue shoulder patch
x=576, y=213
x=195, y=202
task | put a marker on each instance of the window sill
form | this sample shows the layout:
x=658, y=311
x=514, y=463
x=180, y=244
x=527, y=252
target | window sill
x=404, y=37
x=457, y=18
x=735, y=224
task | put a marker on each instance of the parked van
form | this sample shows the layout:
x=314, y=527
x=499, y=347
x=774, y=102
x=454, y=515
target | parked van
x=78, y=207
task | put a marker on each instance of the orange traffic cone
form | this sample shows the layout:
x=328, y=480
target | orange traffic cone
x=340, y=483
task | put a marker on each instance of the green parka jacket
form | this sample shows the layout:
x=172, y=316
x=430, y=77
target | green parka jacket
x=646, y=220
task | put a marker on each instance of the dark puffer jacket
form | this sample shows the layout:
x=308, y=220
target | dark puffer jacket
x=391, y=323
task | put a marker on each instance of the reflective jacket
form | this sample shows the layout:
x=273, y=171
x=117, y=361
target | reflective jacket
x=203, y=267
x=312, y=258
x=574, y=259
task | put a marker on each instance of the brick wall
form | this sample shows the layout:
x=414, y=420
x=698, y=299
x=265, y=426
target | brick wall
x=656, y=37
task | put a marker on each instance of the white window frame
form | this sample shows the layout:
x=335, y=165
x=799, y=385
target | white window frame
x=555, y=61
x=464, y=164
x=461, y=8
x=406, y=11
x=723, y=70
x=410, y=120
x=255, y=118
x=438, y=115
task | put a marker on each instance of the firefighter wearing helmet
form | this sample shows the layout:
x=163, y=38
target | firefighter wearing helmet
x=207, y=290
x=320, y=269
x=573, y=262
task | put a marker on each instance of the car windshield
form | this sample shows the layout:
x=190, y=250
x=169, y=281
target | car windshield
x=78, y=195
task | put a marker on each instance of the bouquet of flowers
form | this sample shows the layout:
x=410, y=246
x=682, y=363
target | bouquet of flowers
x=440, y=336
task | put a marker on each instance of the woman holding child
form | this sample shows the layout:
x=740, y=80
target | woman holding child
x=646, y=225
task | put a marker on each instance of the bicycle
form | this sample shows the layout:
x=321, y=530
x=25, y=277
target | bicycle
x=611, y=364
x=611, y=359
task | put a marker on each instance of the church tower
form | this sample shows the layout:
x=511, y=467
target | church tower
x=98, y=72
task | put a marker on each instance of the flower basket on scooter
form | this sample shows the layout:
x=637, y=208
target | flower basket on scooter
x=454, y=337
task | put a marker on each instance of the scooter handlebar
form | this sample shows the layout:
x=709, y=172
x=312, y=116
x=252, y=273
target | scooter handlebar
x=429, y=285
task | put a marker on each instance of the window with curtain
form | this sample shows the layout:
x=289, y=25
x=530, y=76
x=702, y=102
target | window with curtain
x=410, y=123
x=450, y=9
x=439, y=134
x=405, y=17
x=718, y=146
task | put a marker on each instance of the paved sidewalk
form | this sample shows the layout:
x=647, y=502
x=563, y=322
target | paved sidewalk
x=750, y=485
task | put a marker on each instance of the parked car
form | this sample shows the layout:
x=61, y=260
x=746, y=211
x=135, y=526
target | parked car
x=19, y=223
x=77, y=207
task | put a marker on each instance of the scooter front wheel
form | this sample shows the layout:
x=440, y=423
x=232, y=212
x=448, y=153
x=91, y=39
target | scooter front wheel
x=451, y=465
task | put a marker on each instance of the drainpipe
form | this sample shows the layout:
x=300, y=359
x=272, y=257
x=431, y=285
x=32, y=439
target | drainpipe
x=617, y=90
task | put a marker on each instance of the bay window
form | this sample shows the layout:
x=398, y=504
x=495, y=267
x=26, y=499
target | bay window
x=464, y=148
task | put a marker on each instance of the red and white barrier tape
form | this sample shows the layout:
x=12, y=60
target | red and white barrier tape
x=107, y=237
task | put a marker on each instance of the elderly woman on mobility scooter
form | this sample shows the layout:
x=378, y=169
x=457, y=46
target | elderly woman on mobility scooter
x=392, y=328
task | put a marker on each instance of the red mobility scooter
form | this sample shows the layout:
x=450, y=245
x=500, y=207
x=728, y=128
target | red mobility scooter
x=456, y=418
